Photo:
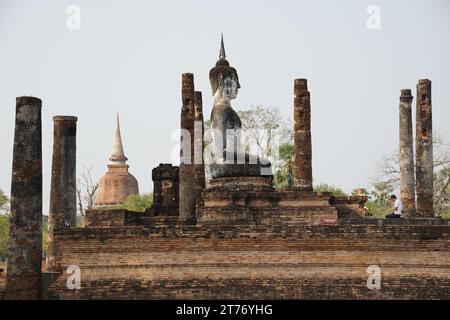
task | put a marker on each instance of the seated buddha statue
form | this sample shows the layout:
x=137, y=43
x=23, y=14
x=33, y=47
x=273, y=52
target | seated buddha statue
x=230, y=160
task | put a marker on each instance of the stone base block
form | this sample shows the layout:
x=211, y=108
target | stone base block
x=257, y=183
x=265, y=207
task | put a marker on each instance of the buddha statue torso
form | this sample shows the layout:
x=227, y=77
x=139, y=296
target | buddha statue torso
x=225, y=121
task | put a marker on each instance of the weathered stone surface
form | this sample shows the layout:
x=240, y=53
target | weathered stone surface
x=187, y=167
x=63, y=209
x=302, y=136
x=424, y=149
x=198, y=149
x=2, y=279
x=350, y=206
x=240, y=170
x=406, y=153
x=165, y=191
x=25, y=234
x=253, y=201
x=258, y=262
x=256, y=183
x=115, y=186
x=110, y=218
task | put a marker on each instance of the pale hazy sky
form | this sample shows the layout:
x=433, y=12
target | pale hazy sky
x=129, y=56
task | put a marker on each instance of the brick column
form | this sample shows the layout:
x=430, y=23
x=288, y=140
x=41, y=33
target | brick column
x=424, y=149
x=187, y=167
x=198, y=149
x=25, y=233
x=302, y=136
x=406, y=154
x=63, y=210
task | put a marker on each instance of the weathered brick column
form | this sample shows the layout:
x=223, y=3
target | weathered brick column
x=63, y=210
x=424, y=149
x=25, y=233
x=406, y=154
x=198, y=149
x=187, y=167
x=302, y=136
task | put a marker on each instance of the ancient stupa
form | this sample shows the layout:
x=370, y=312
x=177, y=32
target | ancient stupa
x=117, y=183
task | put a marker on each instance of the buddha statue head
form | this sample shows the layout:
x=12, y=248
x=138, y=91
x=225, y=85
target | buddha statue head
x=224, y=79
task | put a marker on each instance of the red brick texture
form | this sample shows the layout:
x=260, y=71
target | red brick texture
x=257, y=262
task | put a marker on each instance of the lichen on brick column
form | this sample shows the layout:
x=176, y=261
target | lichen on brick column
x=424, y=149
x=63, y=184
x=198, y=149
x=187, y=167
x=406, y=152
x=302, y=136
x=25, y=233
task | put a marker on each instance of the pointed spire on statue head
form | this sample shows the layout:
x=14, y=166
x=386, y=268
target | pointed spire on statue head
x=118, y=156
x=222, y=54
x=222, y=67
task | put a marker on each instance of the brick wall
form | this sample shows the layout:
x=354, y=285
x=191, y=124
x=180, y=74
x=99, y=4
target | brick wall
x=2, y=279
x=108, y=218
x=257, y=262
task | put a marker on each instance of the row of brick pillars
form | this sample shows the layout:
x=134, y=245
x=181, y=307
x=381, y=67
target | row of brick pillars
x=192, y=170
x=23, y=280
x=420, y=184
x=416, y=192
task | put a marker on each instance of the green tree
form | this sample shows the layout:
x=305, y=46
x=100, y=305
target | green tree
x=378, y=203
x=138, y=203
x=284, y=177
x=4, y=225
x=4, y=232
x=325, y=187
x=4, y=202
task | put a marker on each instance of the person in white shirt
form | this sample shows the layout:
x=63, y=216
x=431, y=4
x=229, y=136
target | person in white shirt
x=398, y=207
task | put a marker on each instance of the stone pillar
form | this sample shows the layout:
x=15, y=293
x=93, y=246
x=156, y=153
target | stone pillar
x=424, y=149
x=198, y=149
x=406, y=154
x=187, y=167
x=25, y=233
x=165, y=191
x=63, y=199
x=302, y=136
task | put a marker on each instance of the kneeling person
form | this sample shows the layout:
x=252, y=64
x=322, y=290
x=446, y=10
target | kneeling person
x=398, y=207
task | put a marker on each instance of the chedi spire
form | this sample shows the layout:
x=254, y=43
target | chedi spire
x=118, y=156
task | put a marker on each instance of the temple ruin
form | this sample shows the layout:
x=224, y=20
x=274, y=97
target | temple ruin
x=235, y=237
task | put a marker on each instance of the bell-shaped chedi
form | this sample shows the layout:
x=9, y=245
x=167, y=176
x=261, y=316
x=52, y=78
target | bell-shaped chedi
x=117, y=184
